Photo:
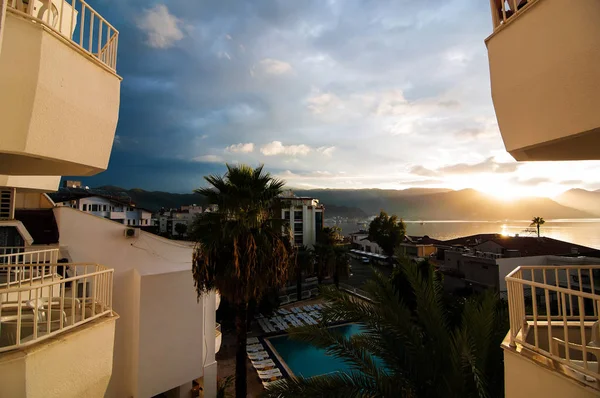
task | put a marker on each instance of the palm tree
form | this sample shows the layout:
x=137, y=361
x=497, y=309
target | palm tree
x=537, y=221
x=341, y=263
x=240, y=248
x=404, y=353
x=304, y=263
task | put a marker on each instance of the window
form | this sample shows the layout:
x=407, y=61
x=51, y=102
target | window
x=128, y=222
x=298, y=227
x=299, y=240
x=84, y=207
x=104, y=208
x=298, y=215
x=286, y=215
x=319, y=220
x=95, y=207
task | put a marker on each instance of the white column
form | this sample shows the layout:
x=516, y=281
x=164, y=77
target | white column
x=3, y=5
x=210, y=364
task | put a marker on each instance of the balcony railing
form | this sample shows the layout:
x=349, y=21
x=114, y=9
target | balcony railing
x=555, y=312
x=501, y=13
x=41, y=301
x=22, y=255
x=75, y=21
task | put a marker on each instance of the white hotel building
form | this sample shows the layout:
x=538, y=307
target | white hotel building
x=106, y=207
x=305, y=215
x=88, y=306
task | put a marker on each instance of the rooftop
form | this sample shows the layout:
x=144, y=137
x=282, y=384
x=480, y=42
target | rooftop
x=526, y=245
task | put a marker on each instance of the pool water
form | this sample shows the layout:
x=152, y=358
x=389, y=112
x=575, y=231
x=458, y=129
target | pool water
x=306, y=360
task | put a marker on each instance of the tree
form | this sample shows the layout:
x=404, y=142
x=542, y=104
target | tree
x=342, y=260
x=240, y=250
x=327, y=239
x=180, y=228
x=404, y=353
x=304, y=263
x=537, y=221
x=387, y=231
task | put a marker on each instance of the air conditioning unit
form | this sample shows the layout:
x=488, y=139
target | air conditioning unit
x=132, y=232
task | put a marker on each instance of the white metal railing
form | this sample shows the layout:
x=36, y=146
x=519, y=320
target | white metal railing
x=555, y=311
x=503, y=10
x=75, y=21
x=21, y=255
x=40, y=301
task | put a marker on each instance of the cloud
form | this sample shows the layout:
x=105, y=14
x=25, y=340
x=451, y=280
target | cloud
x=161, y=27
x=241, y=148
x=423, y=171
x=490, y=165
x=208, y=159
x=321, y=103
x=487, y=166
x=326, y=150
x=277, y=148
x=572, y=182
x=275, y=67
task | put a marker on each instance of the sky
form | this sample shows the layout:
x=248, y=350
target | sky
x=326, y=94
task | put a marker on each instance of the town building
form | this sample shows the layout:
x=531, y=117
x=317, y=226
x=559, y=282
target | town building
x=167, y=220
x=481, y=262
x=305, y=215
x=89, y=307
x=110, y=208
x=419, y=247
x=360, y=241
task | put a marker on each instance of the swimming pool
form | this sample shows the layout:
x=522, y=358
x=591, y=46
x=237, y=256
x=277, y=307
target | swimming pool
x=306, y=360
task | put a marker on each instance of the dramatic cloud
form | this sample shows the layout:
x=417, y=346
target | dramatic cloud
x=374, y=93
x=277, y=148
x=161, y=27
x=241, y=148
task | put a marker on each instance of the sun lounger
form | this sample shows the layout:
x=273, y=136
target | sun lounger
x=307, y=308
x=251, y=340
x=269, y=383
x=264, y=364
x=283, y=311
x=270, y=378
x=270, y=372
x=254, y=348
x=258, y=355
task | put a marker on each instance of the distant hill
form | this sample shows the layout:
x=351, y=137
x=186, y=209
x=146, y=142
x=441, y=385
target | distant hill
x=344, y=211
x=151, y=200
x=411, y=204
x=588, y=201
x=466, y=204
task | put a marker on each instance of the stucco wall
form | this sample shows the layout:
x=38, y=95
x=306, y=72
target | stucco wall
x=523, y=378
x=75, y=364
x=153, y=290
x=171, y=334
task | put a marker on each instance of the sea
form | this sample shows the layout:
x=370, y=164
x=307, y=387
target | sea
x=582, y=231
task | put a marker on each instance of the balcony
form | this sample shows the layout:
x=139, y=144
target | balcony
x=543, y=57
x=59, y=91
x=554, y=340
x=57, y=317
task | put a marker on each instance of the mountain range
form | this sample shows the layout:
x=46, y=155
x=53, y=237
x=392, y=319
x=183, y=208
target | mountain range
x=410, y=204
x=445, y=204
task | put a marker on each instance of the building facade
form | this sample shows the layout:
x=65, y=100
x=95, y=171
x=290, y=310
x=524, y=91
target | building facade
x=88, y=306
x=112, y=209
x=305, y=216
